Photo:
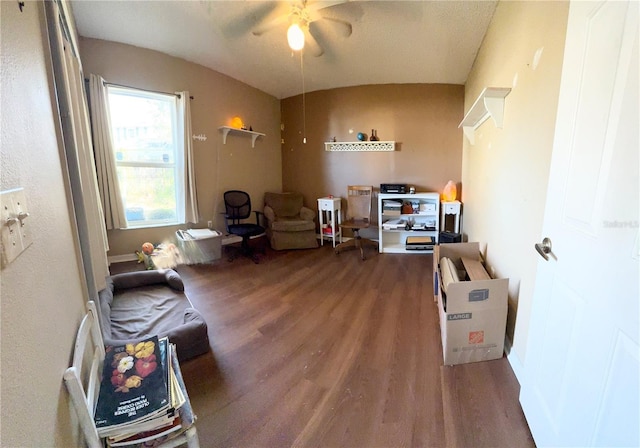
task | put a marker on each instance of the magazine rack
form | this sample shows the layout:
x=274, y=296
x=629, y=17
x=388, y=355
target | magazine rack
x=89, y=353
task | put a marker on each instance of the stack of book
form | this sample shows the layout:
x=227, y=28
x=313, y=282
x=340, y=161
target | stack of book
x=142, y=395
x=391, y=207
x=394, y=224
x=419, y=243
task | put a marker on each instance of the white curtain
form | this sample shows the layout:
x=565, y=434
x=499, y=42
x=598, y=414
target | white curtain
x=77, y=148
x=191, y=213
x=114, y=213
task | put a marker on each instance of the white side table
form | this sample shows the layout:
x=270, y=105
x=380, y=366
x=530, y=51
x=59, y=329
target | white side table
x=330, y=206
x=450, y=208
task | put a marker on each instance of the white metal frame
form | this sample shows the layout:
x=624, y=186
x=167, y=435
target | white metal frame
x=85, y=398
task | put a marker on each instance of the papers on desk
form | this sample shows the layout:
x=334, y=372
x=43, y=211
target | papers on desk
x=400, y=224
x=198, y=234
x=394, y=224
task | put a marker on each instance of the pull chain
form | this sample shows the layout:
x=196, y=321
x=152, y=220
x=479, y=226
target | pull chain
x=304, y=107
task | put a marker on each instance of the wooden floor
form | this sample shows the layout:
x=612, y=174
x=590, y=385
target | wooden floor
x=314, y=349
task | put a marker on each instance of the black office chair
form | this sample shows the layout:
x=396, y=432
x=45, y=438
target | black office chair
x=238, y=207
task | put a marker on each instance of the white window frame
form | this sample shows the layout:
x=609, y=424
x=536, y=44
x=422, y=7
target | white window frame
x=177, y=165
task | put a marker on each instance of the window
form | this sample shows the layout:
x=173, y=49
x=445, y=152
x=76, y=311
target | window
x=149, y=155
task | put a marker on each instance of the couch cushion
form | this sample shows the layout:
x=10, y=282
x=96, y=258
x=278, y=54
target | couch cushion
x=284, y=204
x=151, y=277
x=147, y=311
x=105, y=299
x=140, y=304
x=191, y=337
x=292, y=225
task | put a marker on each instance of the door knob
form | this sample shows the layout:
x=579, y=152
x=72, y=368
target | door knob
x=544, y=249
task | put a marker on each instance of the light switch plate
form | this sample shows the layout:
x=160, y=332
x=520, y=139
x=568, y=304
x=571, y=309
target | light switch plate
x=11, y=244
x=14, y=224
x=20, y=208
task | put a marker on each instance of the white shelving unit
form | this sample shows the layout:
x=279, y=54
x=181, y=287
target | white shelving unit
x=428, y=214
x=226, y=130
x=490, y=103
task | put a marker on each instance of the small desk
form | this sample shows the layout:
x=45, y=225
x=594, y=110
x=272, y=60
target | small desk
x=331, y=207
x=450, y=208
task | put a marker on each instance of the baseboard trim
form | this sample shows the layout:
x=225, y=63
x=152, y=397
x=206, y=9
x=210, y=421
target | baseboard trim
x=512, y=357
x=344, y=238
x=516, y=365
x=122, y=258
x=328, y=238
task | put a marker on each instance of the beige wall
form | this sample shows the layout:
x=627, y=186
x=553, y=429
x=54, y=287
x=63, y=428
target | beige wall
x=217, y=98
x=42, y=292
x=505, y=173
x=422, y=118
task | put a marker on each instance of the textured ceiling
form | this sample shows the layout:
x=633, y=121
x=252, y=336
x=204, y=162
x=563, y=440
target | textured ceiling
x=391, y=41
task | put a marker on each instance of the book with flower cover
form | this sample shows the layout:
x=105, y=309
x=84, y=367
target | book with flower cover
x=154, y=424
x=184, y=420
x=133, y=389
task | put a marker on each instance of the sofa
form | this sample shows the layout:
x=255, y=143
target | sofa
x=290, y=225
x=140, y=304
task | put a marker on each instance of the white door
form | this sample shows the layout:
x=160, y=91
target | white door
x=580, y=385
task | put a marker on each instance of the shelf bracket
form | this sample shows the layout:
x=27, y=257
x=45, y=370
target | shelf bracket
x=490, y=103
x=470, y=133
x=226, y=130
x=495, y=108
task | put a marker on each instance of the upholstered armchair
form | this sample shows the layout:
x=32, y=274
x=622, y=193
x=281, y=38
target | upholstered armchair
x=290, y=225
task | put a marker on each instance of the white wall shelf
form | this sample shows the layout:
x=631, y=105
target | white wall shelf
x=490, y=103
x=226, y=130
x=360, y=146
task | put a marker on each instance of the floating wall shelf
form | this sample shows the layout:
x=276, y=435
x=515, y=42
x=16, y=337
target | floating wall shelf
x=359, y=146
x=226, y=130
x=490, y=103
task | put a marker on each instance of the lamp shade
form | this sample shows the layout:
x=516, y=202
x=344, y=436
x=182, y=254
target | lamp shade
x=295, y=37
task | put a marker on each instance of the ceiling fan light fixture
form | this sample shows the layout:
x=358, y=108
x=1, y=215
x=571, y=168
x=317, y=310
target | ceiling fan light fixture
x=295, y=37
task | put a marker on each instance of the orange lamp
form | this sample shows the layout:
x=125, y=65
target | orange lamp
x=236, y=122
x=450, y=192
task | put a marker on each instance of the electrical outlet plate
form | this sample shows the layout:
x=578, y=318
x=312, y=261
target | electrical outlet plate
x=16, y=230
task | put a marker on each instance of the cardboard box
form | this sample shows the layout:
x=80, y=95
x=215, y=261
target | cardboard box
x=473, y=313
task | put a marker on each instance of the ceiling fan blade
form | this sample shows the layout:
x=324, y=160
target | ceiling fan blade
x=314, y=9
x=318, y=5
x=238, y=25
x=312, y=45
x=342, y=27
x=276, y=17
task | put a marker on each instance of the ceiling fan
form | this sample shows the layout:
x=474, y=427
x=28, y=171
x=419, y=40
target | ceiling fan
x=303, y=19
